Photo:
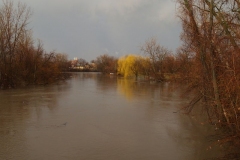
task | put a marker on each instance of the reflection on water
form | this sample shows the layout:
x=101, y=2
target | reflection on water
x=132, y=89
x=93, y=116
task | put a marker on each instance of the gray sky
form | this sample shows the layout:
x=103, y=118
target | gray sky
x=89, y=28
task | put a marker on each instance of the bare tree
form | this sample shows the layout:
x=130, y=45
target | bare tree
x=157, y=54
x=106, y=64
x=211, y=31
x=13, y=28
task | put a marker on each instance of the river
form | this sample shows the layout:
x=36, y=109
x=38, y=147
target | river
x=97, y=117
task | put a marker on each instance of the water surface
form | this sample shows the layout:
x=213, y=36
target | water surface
x=96, y=117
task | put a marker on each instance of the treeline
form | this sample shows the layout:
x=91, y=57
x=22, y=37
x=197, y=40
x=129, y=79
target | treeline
x=157, y=63
x=21, y=62
x=104, y=63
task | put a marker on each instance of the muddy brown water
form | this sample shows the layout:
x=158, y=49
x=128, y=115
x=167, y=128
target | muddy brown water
x=96, y=117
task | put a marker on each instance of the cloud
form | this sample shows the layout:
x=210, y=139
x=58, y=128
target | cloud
x=84, y=29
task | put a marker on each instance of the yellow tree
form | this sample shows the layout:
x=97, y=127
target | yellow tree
x=130, y=65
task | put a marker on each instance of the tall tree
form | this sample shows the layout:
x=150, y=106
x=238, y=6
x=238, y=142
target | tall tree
x=211, y=32
x=13, y=29
x=156, y=54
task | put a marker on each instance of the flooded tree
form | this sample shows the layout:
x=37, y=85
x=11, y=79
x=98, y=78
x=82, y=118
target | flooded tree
x=13, y=30
x=130, y=65
x=21, y=62
x=211, y=33
x=62, y=60
x=156, y=54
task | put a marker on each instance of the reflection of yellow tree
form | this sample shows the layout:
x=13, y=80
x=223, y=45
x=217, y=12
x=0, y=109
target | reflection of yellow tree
x=131, y=89
x=125, y=87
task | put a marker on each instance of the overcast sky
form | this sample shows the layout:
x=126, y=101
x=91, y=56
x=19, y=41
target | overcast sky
x=89, y=28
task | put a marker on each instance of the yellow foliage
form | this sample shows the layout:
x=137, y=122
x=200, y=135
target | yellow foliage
x=126, y=65
x=133, y=65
